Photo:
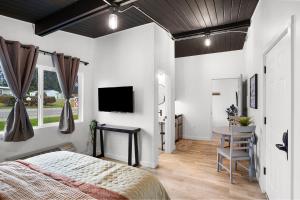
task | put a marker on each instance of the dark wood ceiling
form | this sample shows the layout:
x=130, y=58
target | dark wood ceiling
x=219, y=43
x=128, y=19
x=176, y=15
x=32, y=10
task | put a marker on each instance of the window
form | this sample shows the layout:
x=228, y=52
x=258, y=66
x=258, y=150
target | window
x=45, y=110
x=53, y=100
x=6, y=100
x=31, y=100
x=75, y=100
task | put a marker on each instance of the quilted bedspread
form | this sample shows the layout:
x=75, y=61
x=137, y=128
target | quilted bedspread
x=19, y=182
x=127, y=181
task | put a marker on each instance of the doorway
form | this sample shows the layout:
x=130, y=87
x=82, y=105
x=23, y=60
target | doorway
x=278, y=110
x=225, y=93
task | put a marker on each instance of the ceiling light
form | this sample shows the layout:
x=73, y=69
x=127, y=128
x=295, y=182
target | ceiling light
x=207, y=42
x=113, y=21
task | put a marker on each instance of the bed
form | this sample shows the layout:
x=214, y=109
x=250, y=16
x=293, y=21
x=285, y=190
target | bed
x=68, y=175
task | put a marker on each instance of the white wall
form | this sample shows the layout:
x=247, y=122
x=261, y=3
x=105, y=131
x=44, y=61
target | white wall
x=130, y=57
x=127, y=58
x=59, y=41
x=270, y=18
x=193, y=88
x=165, y=63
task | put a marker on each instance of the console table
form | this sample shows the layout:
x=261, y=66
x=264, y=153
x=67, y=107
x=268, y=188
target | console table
x=131, y=131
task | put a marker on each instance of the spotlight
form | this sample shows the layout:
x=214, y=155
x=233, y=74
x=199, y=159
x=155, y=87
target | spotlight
x=113, y=21
x=207, y=42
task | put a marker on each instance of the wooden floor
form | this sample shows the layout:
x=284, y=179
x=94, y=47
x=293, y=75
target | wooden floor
x=190, y=173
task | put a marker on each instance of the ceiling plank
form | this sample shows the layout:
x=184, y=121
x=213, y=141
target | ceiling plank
x=227, y=11
x=204, y=11
x=81, y=9
x=212, y=12
x=214, y=29
x=219, y=4
x=236, y=4
x=196, y=12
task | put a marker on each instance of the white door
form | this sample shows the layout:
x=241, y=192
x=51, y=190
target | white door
x=278, y=113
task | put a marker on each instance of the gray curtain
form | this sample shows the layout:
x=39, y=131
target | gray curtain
x=18, y=64
x=67, y=69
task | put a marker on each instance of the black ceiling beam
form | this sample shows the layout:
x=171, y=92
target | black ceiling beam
x=77, y=11
x=80, y=10
x=214, y=29
x=111, y=3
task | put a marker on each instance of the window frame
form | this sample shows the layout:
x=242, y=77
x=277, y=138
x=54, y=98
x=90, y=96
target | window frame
x=41, y=69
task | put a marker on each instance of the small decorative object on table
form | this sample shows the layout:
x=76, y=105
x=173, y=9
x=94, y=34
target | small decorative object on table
x=232, y=113
x=245, y=121
x=93, y=126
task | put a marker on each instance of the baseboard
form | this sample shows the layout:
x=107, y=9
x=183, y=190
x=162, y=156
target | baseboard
x=196, y=137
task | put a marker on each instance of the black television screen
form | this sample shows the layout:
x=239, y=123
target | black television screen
x=115, y=99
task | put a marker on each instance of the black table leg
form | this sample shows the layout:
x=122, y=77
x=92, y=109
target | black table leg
x=94, y=142
x=101, y=143
x=129, y=149
x=136, y=149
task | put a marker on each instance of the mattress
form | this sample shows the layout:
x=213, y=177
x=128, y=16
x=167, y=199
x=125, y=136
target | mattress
x=130, y=182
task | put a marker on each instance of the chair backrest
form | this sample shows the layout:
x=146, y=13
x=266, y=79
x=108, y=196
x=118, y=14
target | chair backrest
x=233, y=120
x=240, y=137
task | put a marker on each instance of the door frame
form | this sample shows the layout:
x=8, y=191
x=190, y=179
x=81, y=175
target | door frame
x=290, y=29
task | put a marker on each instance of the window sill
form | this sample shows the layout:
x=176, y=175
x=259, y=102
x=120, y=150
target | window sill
x=49, y=125
x=53, y=124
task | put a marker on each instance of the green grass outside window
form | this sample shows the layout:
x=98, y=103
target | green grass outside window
x=34, y=122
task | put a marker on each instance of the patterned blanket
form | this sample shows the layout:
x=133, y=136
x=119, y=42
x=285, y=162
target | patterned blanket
x=66, y=175
x=129, y=182
x=19, y=182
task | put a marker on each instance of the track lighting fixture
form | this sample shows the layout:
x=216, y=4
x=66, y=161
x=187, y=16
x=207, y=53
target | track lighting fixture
x=113, y=20
x=207, y=41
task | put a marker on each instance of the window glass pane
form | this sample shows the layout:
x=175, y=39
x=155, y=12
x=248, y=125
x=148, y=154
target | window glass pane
x=53, y=98
x=6, y=100
x=31, y=100
x=75, y=100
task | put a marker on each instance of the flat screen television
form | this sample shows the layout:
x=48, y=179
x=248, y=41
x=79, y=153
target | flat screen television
x=115, y=99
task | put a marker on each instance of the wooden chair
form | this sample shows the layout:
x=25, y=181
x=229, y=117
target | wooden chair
x=238, y=151
x=233, y=121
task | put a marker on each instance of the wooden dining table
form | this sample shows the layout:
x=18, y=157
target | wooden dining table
x=225, y=132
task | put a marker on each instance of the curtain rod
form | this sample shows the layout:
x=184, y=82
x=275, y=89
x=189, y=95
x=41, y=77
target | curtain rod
x=49, y=53
x=40, y=51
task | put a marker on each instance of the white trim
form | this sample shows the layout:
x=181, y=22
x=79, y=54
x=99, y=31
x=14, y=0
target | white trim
x=196, y=137
x=40, y=97
x=226, y=77
x=289, y=29
x=80, y=95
